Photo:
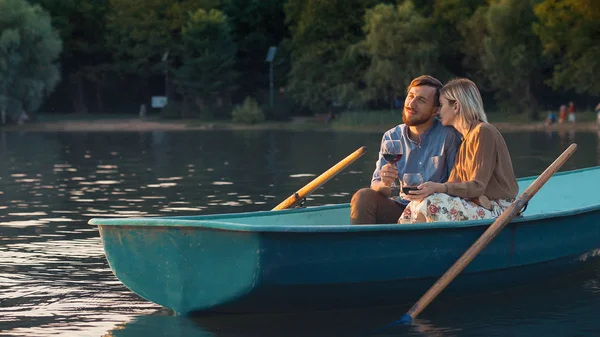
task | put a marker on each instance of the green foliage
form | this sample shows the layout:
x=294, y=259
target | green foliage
x=207, y=78
x=29, y=49
x=248, y=113
x=511, y=62
x=81, y=26
x=424, y=7
x=400, y=45
x=569, y=30
x=332, y=54
x=173, y=110
x=450, y=18
x=321, y=32
x=280, y=111
x=282, y=107
x=140, y=32
x=256, y=26
x=474, y=30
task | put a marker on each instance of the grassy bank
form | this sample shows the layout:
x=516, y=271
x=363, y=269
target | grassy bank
x=356, y=121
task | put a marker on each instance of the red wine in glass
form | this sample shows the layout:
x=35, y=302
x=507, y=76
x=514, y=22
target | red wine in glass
x=391, y=151
x=410, y=181
x=392, y=158
x=406, y=189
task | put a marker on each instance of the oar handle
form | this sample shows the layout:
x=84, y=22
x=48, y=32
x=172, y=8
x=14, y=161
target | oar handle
x=487, y=236
x=320, y=180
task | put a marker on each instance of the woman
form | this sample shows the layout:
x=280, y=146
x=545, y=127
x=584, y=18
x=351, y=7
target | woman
x=562, y=115
x=482, y=183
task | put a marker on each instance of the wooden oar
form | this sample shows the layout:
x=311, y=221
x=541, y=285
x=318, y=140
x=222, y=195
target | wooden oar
x=320, y=180
x=486, y=237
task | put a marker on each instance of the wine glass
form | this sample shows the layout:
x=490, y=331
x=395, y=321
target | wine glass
x=391, y=150
x=410, y=181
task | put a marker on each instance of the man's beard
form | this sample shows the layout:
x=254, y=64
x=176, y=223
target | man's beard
x=417, y=122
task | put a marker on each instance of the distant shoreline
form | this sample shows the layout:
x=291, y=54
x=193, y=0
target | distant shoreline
x=143, y=124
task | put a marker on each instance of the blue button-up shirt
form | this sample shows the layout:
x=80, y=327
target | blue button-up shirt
x=433, y=156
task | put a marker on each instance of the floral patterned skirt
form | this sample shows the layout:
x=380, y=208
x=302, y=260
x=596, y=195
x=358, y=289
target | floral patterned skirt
x=444, y=207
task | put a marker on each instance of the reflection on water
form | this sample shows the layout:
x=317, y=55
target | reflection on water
x=567, y=306
x=54, y=279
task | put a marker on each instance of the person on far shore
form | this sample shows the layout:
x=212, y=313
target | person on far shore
x=482, y=183
x=551, y=119
x=428, y=148
x=571, y=112
x=562, y=114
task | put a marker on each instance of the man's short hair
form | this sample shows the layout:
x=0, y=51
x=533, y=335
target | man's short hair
x=429, y=81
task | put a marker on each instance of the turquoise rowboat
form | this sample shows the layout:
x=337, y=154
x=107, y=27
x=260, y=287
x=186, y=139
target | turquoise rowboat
x=312, y=258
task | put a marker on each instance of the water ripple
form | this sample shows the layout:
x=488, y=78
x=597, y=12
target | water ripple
x=55, y=281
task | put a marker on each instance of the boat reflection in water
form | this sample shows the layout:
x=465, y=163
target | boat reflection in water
x=554, y=307
x=333, y=323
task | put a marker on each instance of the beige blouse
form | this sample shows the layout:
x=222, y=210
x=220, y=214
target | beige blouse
x=483, y=166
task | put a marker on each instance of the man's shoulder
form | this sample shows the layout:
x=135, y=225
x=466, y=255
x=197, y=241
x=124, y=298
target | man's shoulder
x=395, y=132
x=445, y=130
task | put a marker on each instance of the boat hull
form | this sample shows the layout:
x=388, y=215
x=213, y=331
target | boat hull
x=198, y=269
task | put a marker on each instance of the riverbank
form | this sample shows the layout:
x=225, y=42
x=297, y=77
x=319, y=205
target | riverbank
x=100, y=124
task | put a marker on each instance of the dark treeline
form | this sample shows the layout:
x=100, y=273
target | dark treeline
x=208, y=55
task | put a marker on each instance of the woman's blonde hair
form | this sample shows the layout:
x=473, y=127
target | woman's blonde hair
x=466, y=92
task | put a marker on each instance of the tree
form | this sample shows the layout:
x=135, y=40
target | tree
x=401, y=46
x=321, y=31
x=569, y=30
x=29, y=49
x=256, y=26
x=81, y=25
x=512, y=60
x=450, y=18
x=206, y=78
x=145, y=36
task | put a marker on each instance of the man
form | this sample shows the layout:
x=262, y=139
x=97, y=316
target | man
x=429, y=148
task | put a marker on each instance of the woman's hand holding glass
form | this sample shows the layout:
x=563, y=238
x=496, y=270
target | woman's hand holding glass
x=424, y=190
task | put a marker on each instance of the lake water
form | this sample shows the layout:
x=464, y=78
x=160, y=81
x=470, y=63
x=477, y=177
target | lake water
x=55, y=281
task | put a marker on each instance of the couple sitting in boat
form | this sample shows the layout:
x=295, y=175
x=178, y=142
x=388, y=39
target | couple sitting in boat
x=462, y=160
